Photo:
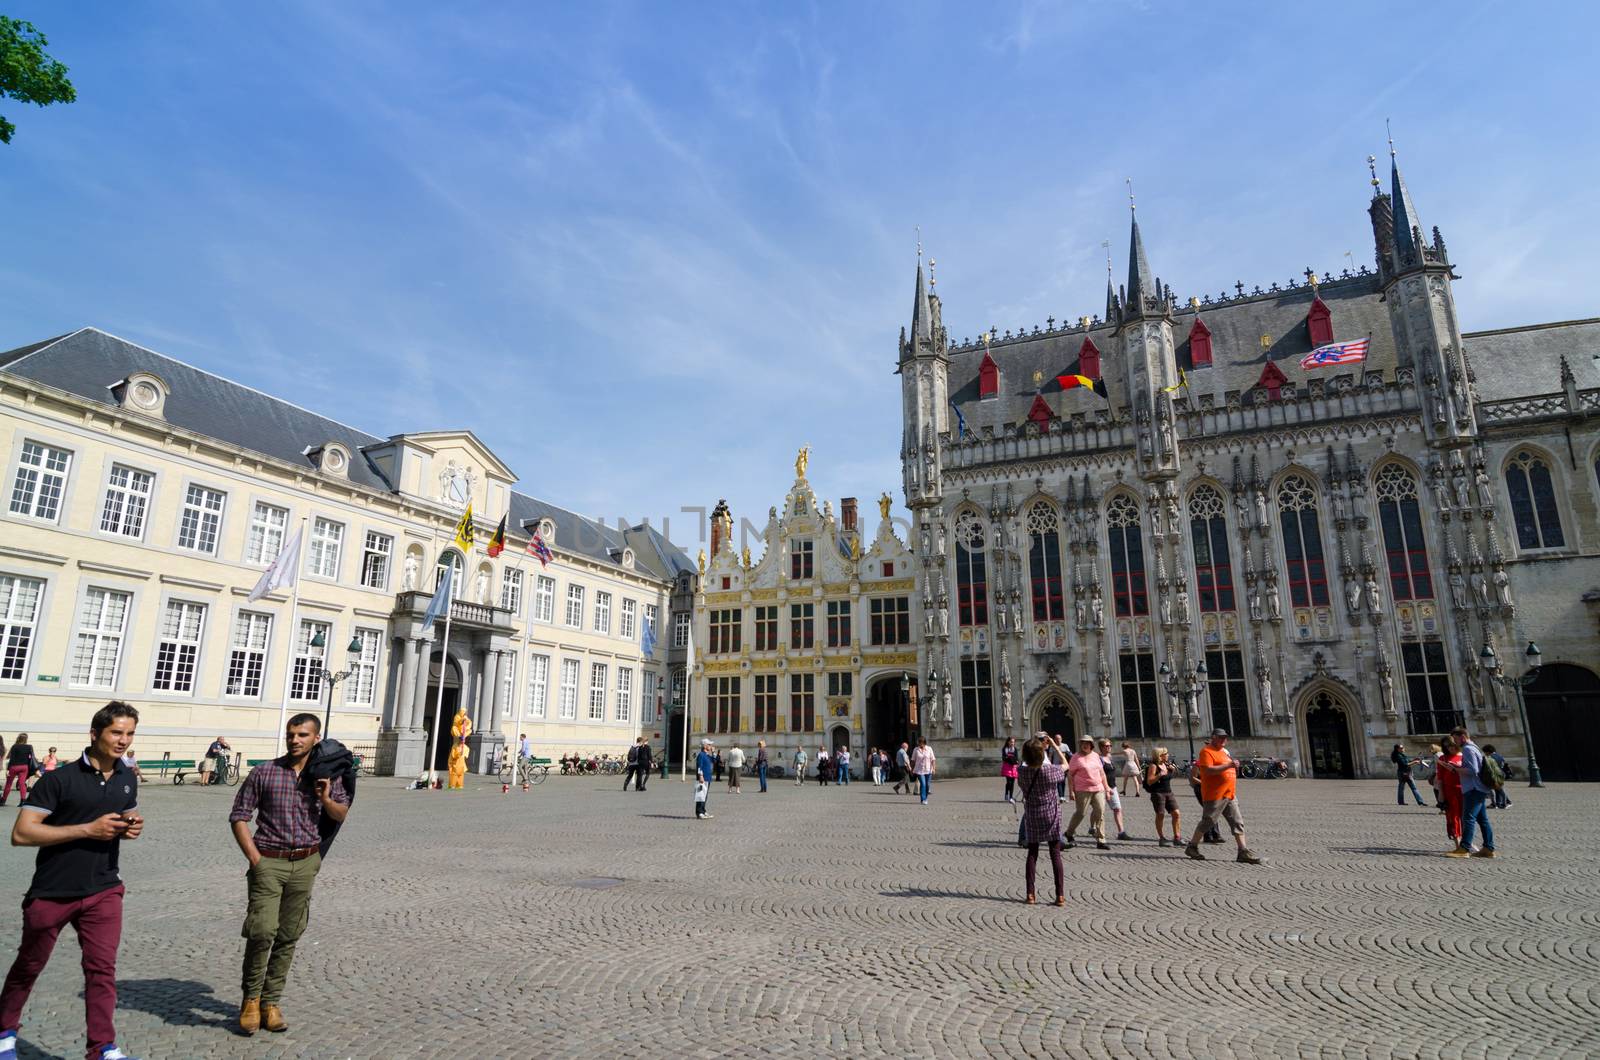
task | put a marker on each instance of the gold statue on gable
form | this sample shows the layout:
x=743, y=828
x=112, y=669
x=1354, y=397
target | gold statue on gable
x=802, y=460
x=885, y=502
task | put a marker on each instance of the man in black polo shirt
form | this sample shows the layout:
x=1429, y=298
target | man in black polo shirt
x=77, y=816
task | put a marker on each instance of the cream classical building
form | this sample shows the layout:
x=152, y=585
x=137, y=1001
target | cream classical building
x=144, y=498
x=815, y=642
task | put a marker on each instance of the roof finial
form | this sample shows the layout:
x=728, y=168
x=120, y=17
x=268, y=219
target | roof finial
x=1105, y=244
x=1372, y=167
x=1129, y=181
x=919, y=242
x=1390, y=133
x=933, y=281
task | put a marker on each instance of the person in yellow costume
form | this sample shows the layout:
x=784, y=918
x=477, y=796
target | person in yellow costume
x=460, y=728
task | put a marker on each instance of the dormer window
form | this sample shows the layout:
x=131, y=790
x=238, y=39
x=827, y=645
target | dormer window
x=1272, y=380
x=143, y=392
x=627, y=558
x=1199, y=345
x=333, y=459
x=1040, y=413
x=800, y=558
x=988, y=377
x=1319, y=323
x=1089, y=359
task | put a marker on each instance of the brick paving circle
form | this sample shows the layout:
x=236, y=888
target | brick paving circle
x=580, y=921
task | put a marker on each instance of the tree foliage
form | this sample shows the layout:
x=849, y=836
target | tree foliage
x=27, y=72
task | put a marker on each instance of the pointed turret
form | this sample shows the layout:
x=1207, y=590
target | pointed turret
x=1141, y=284
x=1407, y=226
x=921, y=313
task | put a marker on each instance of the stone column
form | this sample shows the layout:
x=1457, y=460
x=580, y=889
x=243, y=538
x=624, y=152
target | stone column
x=502, y=660
x=419, y=693
x=404, y=692
x=401, y=745
x=485, y=668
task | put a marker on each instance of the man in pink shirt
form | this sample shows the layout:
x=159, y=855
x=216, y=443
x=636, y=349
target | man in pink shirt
x=1086, y=780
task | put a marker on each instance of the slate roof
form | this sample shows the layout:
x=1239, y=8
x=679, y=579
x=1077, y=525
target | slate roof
x=1520, y=362
x=88, y=362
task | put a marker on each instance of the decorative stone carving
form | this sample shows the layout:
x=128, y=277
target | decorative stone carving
x=1502, y=585
x=1105, y=693
x=1264, y=687
x=1097, y=606
x=1374, y=602
x=409, y=579
x=1352, y=594
x=1458, y=588
x=483, y=587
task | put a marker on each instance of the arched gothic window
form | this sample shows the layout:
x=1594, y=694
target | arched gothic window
x=1302, y=543
x=1401, y=520
x=972, y=571
x=1208, y=530
x=1044, y=563
x=1127, y=557
x=451, y=558
x=1533, y=502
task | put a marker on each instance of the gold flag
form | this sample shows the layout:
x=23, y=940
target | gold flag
x=464, y=531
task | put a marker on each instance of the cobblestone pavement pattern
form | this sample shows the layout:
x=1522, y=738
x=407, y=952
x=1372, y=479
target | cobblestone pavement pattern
x=580, y=921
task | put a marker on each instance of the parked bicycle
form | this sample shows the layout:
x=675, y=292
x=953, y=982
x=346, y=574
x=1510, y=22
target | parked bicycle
x=529, y=770
x=1260, y=768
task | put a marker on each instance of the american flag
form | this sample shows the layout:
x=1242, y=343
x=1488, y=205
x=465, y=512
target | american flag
x=540, y=550
x=1337, y=353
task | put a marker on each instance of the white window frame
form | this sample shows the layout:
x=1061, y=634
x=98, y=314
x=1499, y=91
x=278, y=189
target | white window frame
x=305, y=676
x=602, y=611
x=178, y=648
x=647, y=697
x=266, y=536
x=95, y=635
x=132, y=496
x=538, y=685
x=20, y=599
x=568, y=707
x=200, y=518
x=36, y=465
x=509, y=684
x=544, y=600
x=323, y=553
x=574, y=615
x=247, y=664
x=361, y=687
x=511, y=590
x=377, y=552
x=599, y=680
x=629, y=626
x=624, y=701
x=680, y=629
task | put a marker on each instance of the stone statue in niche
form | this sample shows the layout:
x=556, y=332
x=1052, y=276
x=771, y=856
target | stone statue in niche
x=1475, y=690
x=1166, y=611
x=1016, y=617
x=409, y=580
x=1458, y=587
x=1183, y=601
x=1480, y=586
x=1485, y=491
x=1386, y=688
x=1436, y=482
x=1341, y=506
x=483, y=587
x=1077, y=606
x=1261, y=508
x=1105, y=695
x=938, y=533
x=1264, y=687
x=944, y=618
x=1435, y=396
x=1174, y=520
x=1097, y=606
x=1241, y=504
x=927, y=543
x=1374, y=604
x=1274, y=600
x=1168, y=445
x=1255, y=604
x=944, y=701
x=929, y=619
x=1458, y=389
x=1352, y=595
x=1502, y=584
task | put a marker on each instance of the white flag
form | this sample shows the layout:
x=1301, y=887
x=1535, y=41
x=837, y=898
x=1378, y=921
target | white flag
x=285, y=570
x=688, y=647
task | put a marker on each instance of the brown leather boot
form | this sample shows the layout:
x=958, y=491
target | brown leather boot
x=272, y=1018
x=250, y=1015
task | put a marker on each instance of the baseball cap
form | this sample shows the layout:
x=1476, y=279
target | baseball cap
x=1219, y=732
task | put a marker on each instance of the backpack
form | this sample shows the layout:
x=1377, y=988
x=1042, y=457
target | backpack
x=1490, y=775
x=1147, y=778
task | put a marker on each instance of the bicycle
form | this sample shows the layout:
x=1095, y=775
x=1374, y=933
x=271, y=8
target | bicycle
x=529, y=771
x=610, y=766
x=225, y=772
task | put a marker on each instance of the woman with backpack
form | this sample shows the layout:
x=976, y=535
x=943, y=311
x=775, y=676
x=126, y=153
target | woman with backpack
x=1041, y=814
x=1158, y=782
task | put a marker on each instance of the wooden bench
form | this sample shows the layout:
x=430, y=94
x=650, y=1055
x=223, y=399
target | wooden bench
x=161, y=765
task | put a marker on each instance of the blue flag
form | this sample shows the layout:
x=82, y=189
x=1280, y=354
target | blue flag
x=441, y=597
x=649, y=642
x=961, y=421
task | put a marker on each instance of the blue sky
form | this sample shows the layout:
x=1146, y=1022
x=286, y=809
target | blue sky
x=647, y=250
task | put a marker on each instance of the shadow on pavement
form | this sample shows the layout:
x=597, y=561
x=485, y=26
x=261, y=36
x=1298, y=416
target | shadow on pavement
x=934, y=892
x=1390, y=851
x=177, y=1002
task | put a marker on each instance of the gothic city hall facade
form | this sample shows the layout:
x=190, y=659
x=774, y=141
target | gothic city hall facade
x=1156, y=521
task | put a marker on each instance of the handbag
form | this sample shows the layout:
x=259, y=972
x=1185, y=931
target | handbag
x=700, y=791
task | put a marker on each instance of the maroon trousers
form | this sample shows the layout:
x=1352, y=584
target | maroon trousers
x=17, y=776
x=98, y=920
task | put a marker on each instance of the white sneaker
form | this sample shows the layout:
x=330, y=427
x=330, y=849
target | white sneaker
x=8, y=1044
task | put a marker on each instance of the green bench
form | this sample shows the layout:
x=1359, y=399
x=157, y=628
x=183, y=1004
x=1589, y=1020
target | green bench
x=161, y=765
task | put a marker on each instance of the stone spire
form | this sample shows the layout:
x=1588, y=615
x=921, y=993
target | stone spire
x=1141, y=284
x=921, y=311
x=1407, y=225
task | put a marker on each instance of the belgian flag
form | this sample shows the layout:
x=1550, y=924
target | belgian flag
x=1097, y=385
x=497, y=543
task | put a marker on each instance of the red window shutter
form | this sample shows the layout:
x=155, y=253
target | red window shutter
x=1040, y=412
x=1199, y=344
x=1319, y=322
x=1089, y=359
x=1272, y=380
x=988, y=376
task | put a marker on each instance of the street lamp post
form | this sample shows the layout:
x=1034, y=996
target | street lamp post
x=1188, y=686
x=333, y=679
x=1497, y=673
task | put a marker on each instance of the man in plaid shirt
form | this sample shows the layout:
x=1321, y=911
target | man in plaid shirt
x=284, y=856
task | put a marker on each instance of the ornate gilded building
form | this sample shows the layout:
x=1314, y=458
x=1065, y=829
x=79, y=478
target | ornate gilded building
x=1335, y=546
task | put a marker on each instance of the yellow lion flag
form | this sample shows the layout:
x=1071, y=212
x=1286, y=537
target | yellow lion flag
x=464, y=531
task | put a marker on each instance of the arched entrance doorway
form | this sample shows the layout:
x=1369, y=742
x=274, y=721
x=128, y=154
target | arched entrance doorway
x=1327, y=729
x=1057, y=713
x=1563, y=707
x=891, y=712
x=839, y=736
x=447, y=713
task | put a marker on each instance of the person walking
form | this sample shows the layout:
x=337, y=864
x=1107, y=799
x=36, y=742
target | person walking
x=1009, y=757
x=645, y=763
x=902, y=767
x=51, y=762
x=632, y=772
x=1130, y=769
x=1212, y=835
x=1218, y=778
x=875, y=764
x=761, y=764
x=923, y=763
x=1449, y=787
x=20, y=765
x=1158, y=782
x=1500, y=800
x=799, y=766
x=704, y=769
x=1057, y=753
x=717, y=761
x=77, y=817
x=1113, y=800
x=824, y=766
x=1041, y=815
x=735, y=767
x=841, y=762
x=1402, y=773
x=1086, y=783
x=285, y=855
x=1478, y=782
x=1430, y=773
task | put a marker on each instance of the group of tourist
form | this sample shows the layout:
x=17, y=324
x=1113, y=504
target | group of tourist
x=1466, y=780
x=78, y=814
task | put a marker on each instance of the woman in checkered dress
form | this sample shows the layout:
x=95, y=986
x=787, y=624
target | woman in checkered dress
x=1041, y=810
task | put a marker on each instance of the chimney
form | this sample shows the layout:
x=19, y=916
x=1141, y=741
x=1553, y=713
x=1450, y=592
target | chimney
x=847, y=514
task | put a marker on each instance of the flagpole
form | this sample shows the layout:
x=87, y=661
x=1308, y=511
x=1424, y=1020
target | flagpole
x=294, y=630
x=444, y=661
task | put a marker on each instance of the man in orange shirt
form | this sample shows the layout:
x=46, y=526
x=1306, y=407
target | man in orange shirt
x=1218, y=773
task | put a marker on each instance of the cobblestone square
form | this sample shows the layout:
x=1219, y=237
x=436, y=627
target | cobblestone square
x=580, y=921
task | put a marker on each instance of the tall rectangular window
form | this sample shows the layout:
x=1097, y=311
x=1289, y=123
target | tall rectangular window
x=1432, y=707
x=800, y=558
x=544, y=599
x=602, y=612
x=511, y=590
x=201, y=519
x=1128, y=588
x=305, y=682
x=802, y=702
x=767, y=628
x=327, y=538
x=41, y=477
x=802, y=626
x=362, y=684
x=891, y=620
x=624, y=711
x=538, y=685
x=19, y=611
x=1302, y=543
x=178, y=650
x=102, y=622
x=977, y=699
x=838, y=623
x=1226, y=685
x=575, y=606
x=567, y=706
x=127, y=501
x=766, y=716
x=268, y=523
x=375, y=560
x=652, y=619
x=1141, y=709
x=247, y=654
x=841, y=684
x=508, y=686
x=647, y=697
x=1044, y=563
x=724, y=628
x=972, y=580
x=1208, y=532
x=680, y=629
x=677, y=687
x=630, y=620
x=597, y=691
x=722, y=704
